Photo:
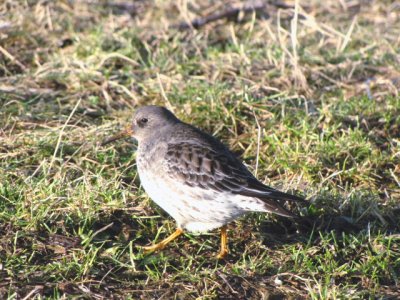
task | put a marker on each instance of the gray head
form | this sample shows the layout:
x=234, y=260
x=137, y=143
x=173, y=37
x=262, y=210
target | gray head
x=150, y=119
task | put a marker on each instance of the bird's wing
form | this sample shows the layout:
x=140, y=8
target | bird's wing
x=201, y=166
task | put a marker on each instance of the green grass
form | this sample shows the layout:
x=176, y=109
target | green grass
x=72, y=213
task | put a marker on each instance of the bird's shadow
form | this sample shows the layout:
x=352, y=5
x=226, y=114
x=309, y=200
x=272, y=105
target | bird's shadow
x=325, y=215
x=320, y=218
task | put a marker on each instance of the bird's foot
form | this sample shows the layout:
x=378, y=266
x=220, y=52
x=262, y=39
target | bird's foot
x=153, y=248
x=163, y=243
x=222, y=253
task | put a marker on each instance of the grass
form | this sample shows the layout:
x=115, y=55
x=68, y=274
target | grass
x=321, y=80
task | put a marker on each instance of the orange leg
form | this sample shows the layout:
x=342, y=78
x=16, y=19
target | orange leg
x=224, y=247
x=164, y=242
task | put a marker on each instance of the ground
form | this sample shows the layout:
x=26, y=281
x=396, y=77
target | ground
x=306, y=93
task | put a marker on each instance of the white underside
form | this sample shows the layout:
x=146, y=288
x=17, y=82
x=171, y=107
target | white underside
x=197, y=209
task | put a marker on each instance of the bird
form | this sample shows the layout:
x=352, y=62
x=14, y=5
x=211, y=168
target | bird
x=195, y=178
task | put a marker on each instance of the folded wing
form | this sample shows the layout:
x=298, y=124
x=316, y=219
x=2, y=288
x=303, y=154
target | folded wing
x=199, y=165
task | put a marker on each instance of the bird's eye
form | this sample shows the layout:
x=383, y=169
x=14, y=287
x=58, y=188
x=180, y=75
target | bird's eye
x=142, y=122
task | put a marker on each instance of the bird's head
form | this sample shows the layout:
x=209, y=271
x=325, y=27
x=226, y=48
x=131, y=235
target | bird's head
x=148, y=120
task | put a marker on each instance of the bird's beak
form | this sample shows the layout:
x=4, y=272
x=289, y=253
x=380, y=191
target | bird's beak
x=127, y=132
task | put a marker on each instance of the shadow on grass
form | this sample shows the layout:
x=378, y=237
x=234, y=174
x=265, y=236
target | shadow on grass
x=192, y=257
x=325, y=215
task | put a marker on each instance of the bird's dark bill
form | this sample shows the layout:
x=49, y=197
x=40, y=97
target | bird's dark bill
x=128, y=132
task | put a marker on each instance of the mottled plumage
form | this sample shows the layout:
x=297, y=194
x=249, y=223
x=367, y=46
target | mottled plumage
x=194, y=177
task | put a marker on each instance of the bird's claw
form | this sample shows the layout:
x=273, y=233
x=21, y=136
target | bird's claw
x=222, y=254
x=153, y=248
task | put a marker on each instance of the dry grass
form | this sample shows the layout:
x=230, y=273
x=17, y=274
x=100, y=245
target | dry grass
x=308, y=94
